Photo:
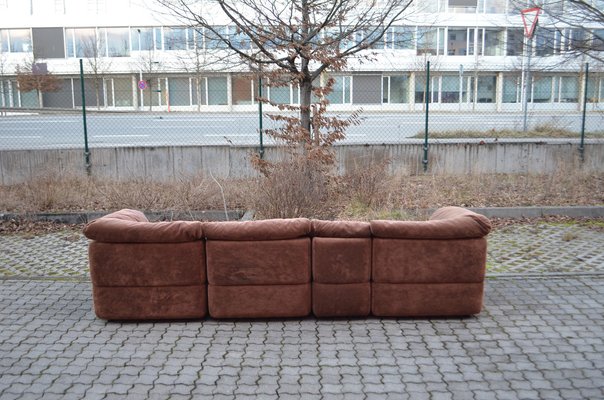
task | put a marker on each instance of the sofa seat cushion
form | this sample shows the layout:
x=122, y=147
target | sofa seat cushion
x=426, y=300
x=341, y=300
x=260, y=301
x=265, y=262
x=131, y=226
x=150, y=303
x=270, y=229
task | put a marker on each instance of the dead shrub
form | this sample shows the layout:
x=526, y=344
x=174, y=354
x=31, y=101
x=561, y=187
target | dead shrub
x=298, y=187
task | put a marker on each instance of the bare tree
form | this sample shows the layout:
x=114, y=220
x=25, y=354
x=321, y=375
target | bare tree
x=97, y=63
x=32, y=75
x=3, y=83
x=577, y=27
x=295, y=41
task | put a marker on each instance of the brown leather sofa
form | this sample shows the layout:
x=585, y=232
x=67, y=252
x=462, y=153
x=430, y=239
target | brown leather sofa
x=287, y=267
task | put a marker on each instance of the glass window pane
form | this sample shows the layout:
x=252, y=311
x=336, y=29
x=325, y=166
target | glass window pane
x=450, y=89
x=336, y=96
x=511, y=89
x=542, y=89
x=213, y=40
x=30, y=99
x=122, y=92
x=118, y=42
x=242, y=90
x=239, y=39
x=463, y=6
x=427, y=41
x=280, y=95
x=399, y=89
x=4, y=40
x=84, y=41
x=20, y=40
x=217, y=91
x=420, y=89
x=179, y=91
x=175, y=38
x=494, y=6
x=493, y=42
x=142, y=39
x=401, y=37
x=598, y=40
x=515, y=42
x=545, y=42
x=486, y=89
x=458, y=42
x=569, y=89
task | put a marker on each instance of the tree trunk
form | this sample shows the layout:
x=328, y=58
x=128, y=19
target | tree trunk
x=305, y=98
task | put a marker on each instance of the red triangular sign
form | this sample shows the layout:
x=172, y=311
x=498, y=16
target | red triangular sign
x=529, y=19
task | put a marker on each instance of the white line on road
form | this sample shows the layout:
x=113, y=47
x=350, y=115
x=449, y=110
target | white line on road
x=118, y=136
x=20, y=137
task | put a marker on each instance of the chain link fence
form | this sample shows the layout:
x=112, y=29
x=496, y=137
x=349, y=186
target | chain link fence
x=164, y=107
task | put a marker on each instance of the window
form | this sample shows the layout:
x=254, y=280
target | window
x=217, y=91
x=458, y=42
x=492, y=6
x=82, y=42
x=118, y=42
x=179, y=91
x=598, y=40
x=238, y=39
x=175, y=38
x=514, y=42
x=48, y=42
x=463, y=6
x=121, y=92
x=395, y=89
x=213, y=41
x=431, y=6
x=493, y=42
x=15, y=40
x=595, y=90
x=342, y=90
x=430, y=41
x=242, y=90
x=546, y=42
x=399, y=38
x=485, y=92
x=542, y=89
x=568, y=89
x=142, y=39
x=511, y=89
x=450, y=89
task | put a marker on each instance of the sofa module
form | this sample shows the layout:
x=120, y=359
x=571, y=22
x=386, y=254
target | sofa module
x=341, y=267
x=429, y=268
x=259, y=269
x=142, y=270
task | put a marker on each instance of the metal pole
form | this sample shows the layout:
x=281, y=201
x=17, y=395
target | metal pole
x=260, y=116
x=86, y=150
x=528, y=84
x=427, y=99
x=581, y=146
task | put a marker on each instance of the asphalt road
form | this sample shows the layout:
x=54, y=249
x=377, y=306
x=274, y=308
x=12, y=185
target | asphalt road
x=109, y=130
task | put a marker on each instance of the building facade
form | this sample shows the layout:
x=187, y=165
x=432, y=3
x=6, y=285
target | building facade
x=136, y=58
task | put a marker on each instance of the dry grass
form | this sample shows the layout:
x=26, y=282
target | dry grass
x=298, y=189
x=544, y=131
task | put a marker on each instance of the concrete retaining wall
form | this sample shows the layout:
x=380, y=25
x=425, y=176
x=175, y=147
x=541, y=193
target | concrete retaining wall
x=445, y=157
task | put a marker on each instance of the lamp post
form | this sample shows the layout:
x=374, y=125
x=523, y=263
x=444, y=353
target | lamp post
x=140, y=71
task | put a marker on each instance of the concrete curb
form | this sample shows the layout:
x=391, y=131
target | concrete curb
x=85, y=217
x=215, y=215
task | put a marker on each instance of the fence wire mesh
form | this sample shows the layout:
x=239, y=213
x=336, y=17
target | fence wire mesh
x=177, y=109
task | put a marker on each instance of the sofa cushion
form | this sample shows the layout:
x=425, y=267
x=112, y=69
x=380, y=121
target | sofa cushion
x=270, y=229
x=341, y=260
x=341, y=229
x=130, y=226
x=445, y=223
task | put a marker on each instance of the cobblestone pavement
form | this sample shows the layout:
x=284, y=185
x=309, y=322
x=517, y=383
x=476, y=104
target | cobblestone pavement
x=517, y=249
x=536, y=339
x=539, y=337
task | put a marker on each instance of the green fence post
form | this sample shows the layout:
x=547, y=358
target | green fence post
x=425, y=160
x=260, y=116
x=86, y=150
x=581, y=146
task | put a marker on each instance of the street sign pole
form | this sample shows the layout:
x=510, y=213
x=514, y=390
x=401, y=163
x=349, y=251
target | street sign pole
x=530, y=17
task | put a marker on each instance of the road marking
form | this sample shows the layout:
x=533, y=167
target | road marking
x=230, y=136
x=20, y=137
x=118, y=136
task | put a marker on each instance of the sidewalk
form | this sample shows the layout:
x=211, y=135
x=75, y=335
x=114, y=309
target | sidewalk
x=540, y=335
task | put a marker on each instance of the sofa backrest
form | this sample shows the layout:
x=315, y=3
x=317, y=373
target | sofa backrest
x=270, y=229
x=131, y=226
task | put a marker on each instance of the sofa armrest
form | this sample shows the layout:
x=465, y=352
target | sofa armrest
x=445, y=223
x=131, y=226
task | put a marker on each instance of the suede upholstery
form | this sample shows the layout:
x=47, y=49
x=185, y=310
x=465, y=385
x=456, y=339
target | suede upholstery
x=341, y=266
x=138, y=275
x=259, y=269
x=432, y=268
x=287, y=267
